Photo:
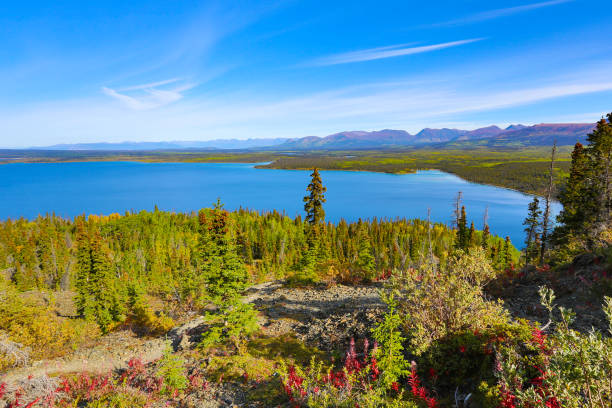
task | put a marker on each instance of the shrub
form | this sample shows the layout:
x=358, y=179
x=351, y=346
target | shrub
x=389, y=338
x=143, y=319
x=371, y=379
x=572, y=369
x=171, y=369
x=40, y=329
x=438, y=302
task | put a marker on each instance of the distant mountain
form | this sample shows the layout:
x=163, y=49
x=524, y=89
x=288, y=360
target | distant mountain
x=482, y=133
x=513, y=135
x=544, y=134
x=428, y=135
x=351, y=140
x=178, y=145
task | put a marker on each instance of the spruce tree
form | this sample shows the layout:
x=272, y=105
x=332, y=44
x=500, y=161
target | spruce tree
x=315, y=199
x=101, y=284
x=225, y=278
x=471, y=235
x=97, y=297
x=532, y=228
x=222, y=270
x=507, y=255
x=600, y=154
x=575, y=199
x=462, y=240
x=486, y=233
x=83, y=299
x=365, y=260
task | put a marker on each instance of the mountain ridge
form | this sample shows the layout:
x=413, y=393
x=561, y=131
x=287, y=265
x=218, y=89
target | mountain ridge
x=543, y=134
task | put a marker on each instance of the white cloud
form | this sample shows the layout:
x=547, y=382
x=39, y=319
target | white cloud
x=149, y=96
x=386, y=52
x=497, y=13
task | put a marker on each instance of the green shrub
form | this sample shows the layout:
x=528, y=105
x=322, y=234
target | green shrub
x=572, y=369
x=439, y=302
x=171, y=368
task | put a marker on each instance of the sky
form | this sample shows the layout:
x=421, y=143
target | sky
x=147, y=70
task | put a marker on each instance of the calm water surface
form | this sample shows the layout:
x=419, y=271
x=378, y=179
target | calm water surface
x=69, y=189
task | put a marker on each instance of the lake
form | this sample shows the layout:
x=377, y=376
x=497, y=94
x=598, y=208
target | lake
x=69, y=189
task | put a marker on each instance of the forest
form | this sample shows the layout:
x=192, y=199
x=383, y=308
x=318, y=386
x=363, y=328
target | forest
x=244, y=308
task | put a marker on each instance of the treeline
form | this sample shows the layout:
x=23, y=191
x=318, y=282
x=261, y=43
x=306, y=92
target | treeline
x=523, y=170
x=159, y=250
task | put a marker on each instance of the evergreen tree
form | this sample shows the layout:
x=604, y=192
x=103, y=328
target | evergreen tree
x=575, y=198
x=507, y=254
x=315, y=199
x=600, y=154
x=532, y=228
x=486, y=233
x=471, y=235
x=108, y=305
x=97, y=297
x=462, y=241
x=225, y=278
x=223, y=272
x=83, y=299
x=365, y=263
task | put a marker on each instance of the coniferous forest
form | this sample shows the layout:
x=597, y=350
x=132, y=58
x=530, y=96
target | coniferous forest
x=255, y=308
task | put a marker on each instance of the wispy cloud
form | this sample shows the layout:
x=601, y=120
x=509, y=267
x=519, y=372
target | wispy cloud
x=150, y=85
x=409, y=105
x=386, y=52
x=497, y=13
x=149, y=97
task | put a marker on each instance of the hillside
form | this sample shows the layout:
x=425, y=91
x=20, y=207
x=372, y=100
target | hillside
x=512, y=136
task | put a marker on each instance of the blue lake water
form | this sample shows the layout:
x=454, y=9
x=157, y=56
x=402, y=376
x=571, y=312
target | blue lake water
x=69, y=189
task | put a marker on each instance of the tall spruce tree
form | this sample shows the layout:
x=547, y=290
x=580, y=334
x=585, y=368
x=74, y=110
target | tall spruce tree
x=471, y=235
x=97, y=298
x=507, y=259
x=532, y=228
x=575, y=198
x=225, y=278
x=462, y=241
x=600, y=154
x=315, y=214
x=83, y=299
x=223, y=272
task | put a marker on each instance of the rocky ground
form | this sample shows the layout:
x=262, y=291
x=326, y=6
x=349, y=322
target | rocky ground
x=322, y=317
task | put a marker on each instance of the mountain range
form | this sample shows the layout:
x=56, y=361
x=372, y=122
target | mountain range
x=175, y=145
x=492, y=136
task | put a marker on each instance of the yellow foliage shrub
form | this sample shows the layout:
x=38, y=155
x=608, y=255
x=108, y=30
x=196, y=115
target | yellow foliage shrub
x=146, y=321
x=436, y=302
x=39, y=328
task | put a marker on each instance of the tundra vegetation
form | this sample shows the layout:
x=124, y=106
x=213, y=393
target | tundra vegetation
x=446, y=338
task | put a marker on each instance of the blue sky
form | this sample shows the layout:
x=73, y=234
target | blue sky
x=88, y=71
